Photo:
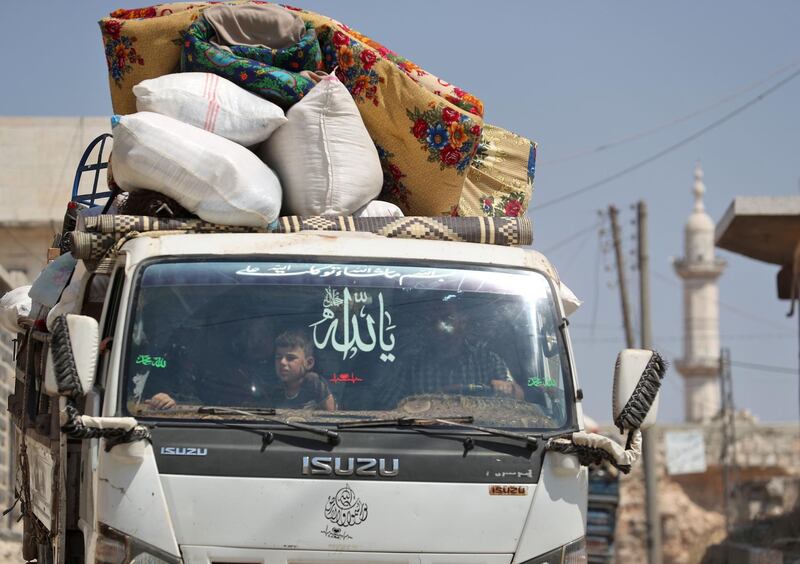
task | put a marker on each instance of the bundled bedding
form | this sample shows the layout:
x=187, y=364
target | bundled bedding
x=427, y=150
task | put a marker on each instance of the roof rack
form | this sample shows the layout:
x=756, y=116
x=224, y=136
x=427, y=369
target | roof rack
x=92, y=198
x=102, y=233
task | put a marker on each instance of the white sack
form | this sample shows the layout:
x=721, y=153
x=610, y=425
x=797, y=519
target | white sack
x=324, y=156
x=210, y=102
x=13, y=305
x=219, y=180
x=379, y=208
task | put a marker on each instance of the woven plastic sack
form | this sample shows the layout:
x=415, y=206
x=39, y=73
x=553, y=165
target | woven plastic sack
x=143, y=43
x=218, y=180
x=324, y=156
x=500, y=179
x=210, y=102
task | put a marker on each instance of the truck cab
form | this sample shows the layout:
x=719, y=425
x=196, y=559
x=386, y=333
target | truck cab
x=427, y=377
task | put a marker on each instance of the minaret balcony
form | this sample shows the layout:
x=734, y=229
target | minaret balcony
x=698, y=366
x=699, y=269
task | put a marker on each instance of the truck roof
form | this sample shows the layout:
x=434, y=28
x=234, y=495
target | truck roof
x=316, y=244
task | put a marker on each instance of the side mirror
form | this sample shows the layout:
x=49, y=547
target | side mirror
x=72, y=359
x=637, y=380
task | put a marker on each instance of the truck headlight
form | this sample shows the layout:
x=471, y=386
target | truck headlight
x=115, y=547
x=572, y=553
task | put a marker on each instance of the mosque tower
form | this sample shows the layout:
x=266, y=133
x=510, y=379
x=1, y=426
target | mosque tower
x=699, y=269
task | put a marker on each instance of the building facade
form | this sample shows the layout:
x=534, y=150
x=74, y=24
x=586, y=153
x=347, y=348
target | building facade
x=38, y=159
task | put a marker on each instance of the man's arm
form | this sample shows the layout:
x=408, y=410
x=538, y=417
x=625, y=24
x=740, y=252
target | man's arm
x=161, y=401
x=501, y=380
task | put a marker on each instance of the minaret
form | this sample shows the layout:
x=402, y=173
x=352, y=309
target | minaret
x=699, y=269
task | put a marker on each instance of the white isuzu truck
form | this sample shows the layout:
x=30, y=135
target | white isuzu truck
x=312, y=397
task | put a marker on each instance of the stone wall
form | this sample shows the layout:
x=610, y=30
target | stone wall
x=766, y=483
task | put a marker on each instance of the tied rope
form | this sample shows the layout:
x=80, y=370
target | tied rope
x=76, y=427
x=591, y=448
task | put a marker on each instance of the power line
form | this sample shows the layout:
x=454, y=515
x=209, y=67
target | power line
x=677, y=338
x=765, y=367
x=647, y=132
x=582, y=243
x=725, y=305
x=671, y=148
x=571, y=238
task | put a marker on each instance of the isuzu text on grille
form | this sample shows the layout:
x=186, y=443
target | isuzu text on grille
x=328, y=465
x=184, y=451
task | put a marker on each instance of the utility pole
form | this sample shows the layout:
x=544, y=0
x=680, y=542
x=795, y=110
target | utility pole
x=623, y=288
x=649, y=436
x=728, y=454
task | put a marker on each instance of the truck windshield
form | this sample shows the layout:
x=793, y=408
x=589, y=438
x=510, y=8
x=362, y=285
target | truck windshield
x=332, y=342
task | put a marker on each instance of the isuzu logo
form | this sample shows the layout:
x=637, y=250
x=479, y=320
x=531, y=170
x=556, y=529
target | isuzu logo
x=335, y=465
x=184, y=451
x=508, y=490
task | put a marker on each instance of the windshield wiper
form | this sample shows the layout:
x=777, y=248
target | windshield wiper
x=266, y=436
x=464, y=422
x=264, y=413
x=531, y=441
x=401, y=422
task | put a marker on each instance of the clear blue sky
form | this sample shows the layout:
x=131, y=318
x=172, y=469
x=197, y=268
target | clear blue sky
x=573, y=76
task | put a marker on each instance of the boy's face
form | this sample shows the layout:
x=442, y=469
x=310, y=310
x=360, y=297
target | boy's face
x=291, y=364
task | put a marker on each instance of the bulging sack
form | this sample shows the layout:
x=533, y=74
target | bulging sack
x=211, y=102
x=216, y=179
x=13, y=305
x=324, y=156
x=426, y=130
x=379, y=208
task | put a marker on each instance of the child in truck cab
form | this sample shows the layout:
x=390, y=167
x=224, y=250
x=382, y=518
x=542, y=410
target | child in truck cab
x=250, y=384
x=299, y=387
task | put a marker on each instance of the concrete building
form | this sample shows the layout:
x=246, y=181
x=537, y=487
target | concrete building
x=38, y=158
x=699, y=269
x=766, y=228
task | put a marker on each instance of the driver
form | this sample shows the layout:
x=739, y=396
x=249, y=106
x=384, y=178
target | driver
x=453, y=363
